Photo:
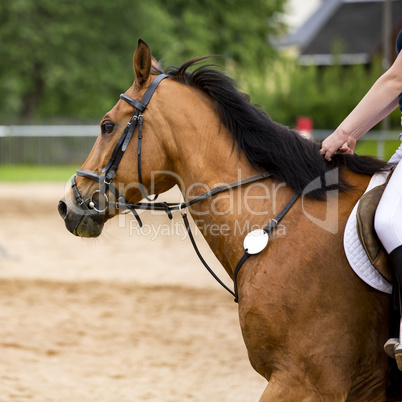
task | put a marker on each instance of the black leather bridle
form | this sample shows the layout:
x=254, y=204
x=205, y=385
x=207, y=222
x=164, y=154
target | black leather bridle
x=111, y=167
x=93, y=208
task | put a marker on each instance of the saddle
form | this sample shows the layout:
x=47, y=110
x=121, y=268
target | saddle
x=366, y=233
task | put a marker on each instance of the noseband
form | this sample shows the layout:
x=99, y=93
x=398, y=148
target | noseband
x=254, y=242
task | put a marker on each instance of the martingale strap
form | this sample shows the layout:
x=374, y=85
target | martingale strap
x=121, y=204
x=268, y=229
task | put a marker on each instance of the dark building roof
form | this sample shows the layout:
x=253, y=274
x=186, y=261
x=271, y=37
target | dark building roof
x=352, y=29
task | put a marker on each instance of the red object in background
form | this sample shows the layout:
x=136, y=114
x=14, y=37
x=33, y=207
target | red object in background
x=304, y=125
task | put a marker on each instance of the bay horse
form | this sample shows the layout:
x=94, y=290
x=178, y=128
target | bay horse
x=312, y=328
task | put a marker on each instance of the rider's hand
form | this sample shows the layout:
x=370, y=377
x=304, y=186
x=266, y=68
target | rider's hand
x=336, y=141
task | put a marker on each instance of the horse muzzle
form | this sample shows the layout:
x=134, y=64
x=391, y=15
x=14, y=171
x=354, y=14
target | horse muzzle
x=78, y=221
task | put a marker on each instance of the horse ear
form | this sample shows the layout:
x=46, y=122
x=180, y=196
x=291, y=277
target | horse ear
x=142, y=62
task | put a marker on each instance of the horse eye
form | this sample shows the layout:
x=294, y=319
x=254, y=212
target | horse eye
x=107, y=127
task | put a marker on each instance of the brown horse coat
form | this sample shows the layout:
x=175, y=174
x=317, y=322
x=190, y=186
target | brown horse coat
x=312, y=328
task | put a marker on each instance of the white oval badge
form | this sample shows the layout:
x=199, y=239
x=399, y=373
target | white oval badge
x=255, y=241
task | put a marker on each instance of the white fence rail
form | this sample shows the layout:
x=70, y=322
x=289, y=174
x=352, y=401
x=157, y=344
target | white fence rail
x=49, y=131
x=48, y=145
x=72, y=144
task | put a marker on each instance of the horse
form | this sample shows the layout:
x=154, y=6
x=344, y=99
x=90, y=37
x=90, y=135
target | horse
x=311, y=327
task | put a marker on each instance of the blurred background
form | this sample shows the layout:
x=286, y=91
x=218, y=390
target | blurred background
x=63, y=64
x=124, y=316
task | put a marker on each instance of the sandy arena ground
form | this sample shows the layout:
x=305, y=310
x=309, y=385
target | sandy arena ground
x=131, y=316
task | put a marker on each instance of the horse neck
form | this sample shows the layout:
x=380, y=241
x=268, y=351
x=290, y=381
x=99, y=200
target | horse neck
x=203, y=150
x=205, y=158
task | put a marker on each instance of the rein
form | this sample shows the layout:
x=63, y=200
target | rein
x=254, y=242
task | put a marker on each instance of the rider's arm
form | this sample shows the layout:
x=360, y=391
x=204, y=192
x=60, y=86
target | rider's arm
x=380, y=100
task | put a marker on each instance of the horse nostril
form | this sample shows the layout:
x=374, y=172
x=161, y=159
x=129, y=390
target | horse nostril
x=62, y=208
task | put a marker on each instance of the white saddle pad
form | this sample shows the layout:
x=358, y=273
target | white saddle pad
x=355, y=252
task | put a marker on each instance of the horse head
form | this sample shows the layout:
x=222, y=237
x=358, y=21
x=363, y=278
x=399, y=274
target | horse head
x=107, y=178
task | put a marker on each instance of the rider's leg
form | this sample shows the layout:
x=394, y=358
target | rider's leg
x=395, y=257
x=388, y=217
x=393, y=346
x=388, y=225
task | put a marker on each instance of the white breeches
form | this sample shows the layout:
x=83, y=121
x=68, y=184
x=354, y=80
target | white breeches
x=388, y=218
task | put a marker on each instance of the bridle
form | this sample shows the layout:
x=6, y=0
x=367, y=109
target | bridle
x=111, y=167
x=254, y=242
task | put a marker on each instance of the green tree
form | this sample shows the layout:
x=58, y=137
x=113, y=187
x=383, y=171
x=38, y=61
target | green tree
x=326, y=94
x=239, y=30
x=70, y=59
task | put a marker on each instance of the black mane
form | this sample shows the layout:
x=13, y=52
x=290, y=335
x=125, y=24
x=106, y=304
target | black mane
x=269, y=145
